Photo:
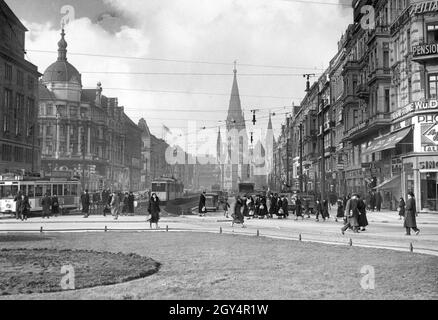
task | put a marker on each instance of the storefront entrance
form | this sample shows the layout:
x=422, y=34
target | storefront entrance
x=429, y=191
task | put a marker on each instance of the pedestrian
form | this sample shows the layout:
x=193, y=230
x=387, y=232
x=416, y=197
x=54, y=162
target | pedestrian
x=24, y=207
x=340, y=211
x=401, y=208
x=352, y=214
x=55, y=205
x=154, y=210
x=17, y=200
x=245, y=206
x=410, y=215
x=46, y=204
x=263, y=209
x=378, y=201
x=226, y=207
x=131, y=199
x=238, y=217
x=307, y=207
x=284, y=206
x=201, y=207
x=273, y=208
x=115, y=205
x=298, y=209
x=251, y=206
x=85, y=201
x=362, y=219
x=319, y=210
x=325, y=209
x=125, y=204
x=372, y=200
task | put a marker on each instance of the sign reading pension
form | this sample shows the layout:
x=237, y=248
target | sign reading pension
x=425, y=49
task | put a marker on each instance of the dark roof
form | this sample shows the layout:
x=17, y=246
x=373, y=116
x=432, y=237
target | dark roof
x=62, y=71
x=11, y=15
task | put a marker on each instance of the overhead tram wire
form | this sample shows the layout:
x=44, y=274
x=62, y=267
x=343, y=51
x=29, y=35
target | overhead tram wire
x=179, y=60
x=196, y=74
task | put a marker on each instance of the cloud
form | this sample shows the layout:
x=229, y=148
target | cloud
x=268, y=32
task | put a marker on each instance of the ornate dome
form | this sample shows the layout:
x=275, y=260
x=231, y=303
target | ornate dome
x=62, y=70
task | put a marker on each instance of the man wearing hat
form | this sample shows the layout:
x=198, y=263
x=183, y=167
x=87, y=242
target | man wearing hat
x=410, y=213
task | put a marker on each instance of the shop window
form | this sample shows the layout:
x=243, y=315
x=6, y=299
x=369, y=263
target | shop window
x=428, y=191
x=432, y=32
x=433, y=86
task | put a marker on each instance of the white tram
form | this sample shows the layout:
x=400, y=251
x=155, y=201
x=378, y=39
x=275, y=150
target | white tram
x=68, y=192
x=167, y=189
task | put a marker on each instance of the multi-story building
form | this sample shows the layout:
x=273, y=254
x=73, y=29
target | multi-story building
x=84, y=133
x=19, y=147
x=414, y=94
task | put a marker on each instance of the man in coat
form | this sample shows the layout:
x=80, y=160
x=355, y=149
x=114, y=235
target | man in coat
x=410, y=213
x=298, y=209
x=85, y=201
x=55, y=205
x=352, y=214
x=46, y=203
x=284, y=206
x=201, y=207
x=131, y=200
x=17, y=200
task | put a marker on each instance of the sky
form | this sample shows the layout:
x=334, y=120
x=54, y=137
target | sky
x=172, y=60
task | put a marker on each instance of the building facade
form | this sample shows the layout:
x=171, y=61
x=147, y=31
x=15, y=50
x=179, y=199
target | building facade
x=19, y=145
x=84, y=133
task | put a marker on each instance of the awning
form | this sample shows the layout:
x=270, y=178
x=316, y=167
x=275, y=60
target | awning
x=392, y=183
x=386, y=142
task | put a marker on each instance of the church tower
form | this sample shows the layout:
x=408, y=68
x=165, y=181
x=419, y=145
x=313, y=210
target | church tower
x=236, y=167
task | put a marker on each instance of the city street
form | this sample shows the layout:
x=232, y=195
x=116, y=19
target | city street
x=384, y=231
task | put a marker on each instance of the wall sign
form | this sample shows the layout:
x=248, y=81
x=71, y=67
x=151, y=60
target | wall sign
x=424, y=7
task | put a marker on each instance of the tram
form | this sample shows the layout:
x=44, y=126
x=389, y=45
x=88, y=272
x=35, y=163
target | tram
x=167, y=189
x=67, y=190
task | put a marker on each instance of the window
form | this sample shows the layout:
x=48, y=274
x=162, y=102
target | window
x=355, y=117
x=6, y=152
x=30, y=191
x=28, y=156
x=49, y=110
x=18, y=154
x=38, y=190
x=386, y=101
x=386, y=59
x=433, y=86
x=409, y=90
x=30, y=121
x=18, y=114
x=30, y=82
x=8, y=72
x=432, y=32
x=20, y=78
x=7, y=110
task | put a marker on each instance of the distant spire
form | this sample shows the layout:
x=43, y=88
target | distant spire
x=270, y=122
x=62, y=47
x=235, y=118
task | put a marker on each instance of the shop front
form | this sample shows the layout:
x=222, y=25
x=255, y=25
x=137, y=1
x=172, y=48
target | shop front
x=420, y=176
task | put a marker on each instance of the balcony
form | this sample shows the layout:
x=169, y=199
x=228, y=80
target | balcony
x=425, y=52
x=351, y=65
x=379, y=31
x=362, y=91
x=382, y=74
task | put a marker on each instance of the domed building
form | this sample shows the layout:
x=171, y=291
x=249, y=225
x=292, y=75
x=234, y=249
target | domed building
x=83, y=133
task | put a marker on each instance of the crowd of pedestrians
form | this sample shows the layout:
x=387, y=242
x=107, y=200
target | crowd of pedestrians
x=351, y=209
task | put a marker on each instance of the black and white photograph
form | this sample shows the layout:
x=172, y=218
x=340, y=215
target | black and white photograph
x=227, y=152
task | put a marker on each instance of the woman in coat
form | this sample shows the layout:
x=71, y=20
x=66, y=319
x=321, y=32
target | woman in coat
x=340, y=211
x=410, y=213
x=154, y=210
x=298, y=209
x=362, y=219
x=55, y=205
x=46, y=204
x=238, y=215
x=284, y=206
x=325, y=209
x=115, y=205
x=401, y=208
x=24, y=207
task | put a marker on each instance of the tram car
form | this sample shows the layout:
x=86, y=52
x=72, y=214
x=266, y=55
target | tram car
x=167, y=189
x=68, y=192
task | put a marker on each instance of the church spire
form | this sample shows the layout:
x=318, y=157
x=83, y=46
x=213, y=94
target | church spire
x=62, y=47
x=270, y=122
x=235, y=118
